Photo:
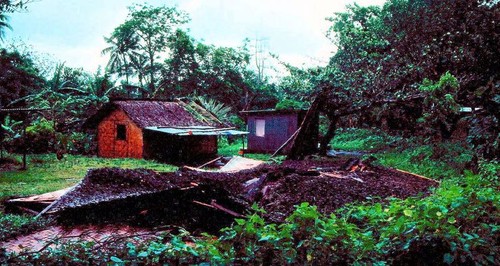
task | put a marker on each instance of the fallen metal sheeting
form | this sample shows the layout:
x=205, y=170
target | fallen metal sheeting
x=236, y=164
x=37, y=203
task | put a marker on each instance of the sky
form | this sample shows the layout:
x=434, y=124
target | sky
x=73, y=31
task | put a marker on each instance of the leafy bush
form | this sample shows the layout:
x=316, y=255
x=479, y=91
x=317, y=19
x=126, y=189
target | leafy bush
x=440, y=105
x=12, y=225
x=81, y=143
x=484, y=135
x=489, y=171
x=289, y=104
x=40, y=138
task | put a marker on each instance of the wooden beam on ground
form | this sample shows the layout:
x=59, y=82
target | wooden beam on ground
x=226, y=210
x=209, y=162
x=419, y=176
x=216, y=206
x=195, y=169
x=27, y=210
x=335, y=175
x=57, y=200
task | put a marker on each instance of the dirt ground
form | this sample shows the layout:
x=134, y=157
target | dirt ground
x=207, y=202
x=7, y=164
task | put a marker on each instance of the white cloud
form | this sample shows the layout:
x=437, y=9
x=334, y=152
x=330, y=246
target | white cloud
x=73, y=30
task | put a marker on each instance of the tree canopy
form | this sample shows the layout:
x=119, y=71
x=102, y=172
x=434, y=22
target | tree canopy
x=386, y=54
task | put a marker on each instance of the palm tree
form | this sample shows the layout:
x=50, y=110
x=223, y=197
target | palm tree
x=139, y=63
x=123, y=47
x=3, y=25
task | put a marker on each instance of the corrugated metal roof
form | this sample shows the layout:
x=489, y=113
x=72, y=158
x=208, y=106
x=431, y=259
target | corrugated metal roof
x=273, y=111
x=198, y=131
x=13, y=110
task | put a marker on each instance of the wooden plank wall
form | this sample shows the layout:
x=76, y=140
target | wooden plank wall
x=278, y=128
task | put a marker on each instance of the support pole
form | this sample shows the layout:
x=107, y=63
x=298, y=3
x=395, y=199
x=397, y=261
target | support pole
x=25, y=150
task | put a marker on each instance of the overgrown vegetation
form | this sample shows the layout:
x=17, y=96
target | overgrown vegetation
x=14, y=225
x=354, y=139
x=436, y=160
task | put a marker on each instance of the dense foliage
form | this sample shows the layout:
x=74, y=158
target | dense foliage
x=387, y=54
x=158, y=59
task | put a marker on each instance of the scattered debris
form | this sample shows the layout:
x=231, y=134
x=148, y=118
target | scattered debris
x=238, y=163
x=208, y=201
x=34, y=204
x=235, y=164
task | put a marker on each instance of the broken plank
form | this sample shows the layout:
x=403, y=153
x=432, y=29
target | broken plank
x=195, y=169
x=55, y=201
x=203, y=204
x=27, y=210
x=193, y=185
x=214, y=205
x=209, y=162
x=419, y=176
x=224, y=209
x=335, y=175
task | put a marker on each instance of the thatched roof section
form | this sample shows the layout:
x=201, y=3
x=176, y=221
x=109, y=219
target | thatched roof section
x=148, y=113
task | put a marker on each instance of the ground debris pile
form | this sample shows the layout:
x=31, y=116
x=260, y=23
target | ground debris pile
x=146, y=198
x=329, y=187
x=108, y=184
x=209, y=201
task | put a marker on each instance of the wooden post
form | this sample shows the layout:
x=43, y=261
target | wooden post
x=25, y=150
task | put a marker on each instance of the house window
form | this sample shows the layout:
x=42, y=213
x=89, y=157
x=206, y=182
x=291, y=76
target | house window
x=121, y=132
x=260, y=127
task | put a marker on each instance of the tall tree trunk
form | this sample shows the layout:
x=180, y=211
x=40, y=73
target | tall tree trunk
x=151, y=86
x=325, y=140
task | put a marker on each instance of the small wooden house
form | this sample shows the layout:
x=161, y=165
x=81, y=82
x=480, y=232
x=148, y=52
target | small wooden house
x=270, y=129
x=168, y=131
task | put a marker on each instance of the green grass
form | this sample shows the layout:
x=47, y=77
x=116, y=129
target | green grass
x=357, y=139
x=438, y=161
x=226, y=149
x=45, y=173
x=443, y=160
